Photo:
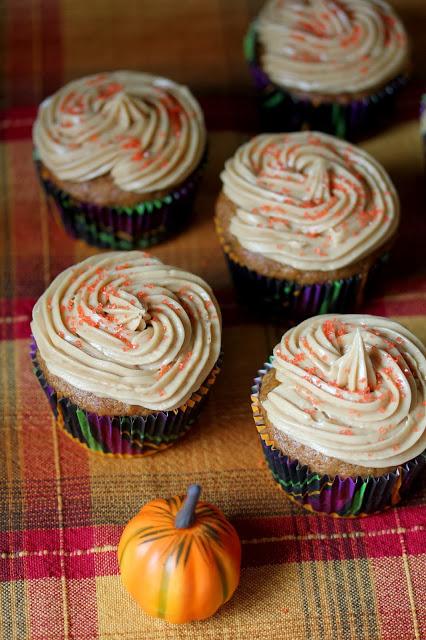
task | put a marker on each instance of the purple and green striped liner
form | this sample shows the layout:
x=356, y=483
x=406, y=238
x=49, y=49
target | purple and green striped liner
x=290, y=300
x=135, y=227
x=334, y=496
x=423, y=123
x=127, y=436
x=282, y=110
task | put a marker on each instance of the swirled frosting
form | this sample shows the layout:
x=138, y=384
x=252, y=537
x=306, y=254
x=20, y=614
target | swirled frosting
x=352, y=387
x=331, y=46
x=145, y=131
x=125, y=326
x=309, y=200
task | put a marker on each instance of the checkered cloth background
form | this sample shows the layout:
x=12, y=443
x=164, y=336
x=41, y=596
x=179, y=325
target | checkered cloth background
x=304, y=577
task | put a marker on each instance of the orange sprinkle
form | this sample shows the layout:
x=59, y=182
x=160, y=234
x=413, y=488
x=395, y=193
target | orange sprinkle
x=131, y=143
x=110, y=89
x=86, y=319
x=185, y=360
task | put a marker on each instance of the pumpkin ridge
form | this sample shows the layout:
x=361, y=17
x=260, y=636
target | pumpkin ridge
x=157, y=507
x=212, y=533
x=185, y=560
x=204, y=550
x=204, y=511
x=134, y=535
x=154, y=539
x=224, y=526
x=222, y=575
x=180, y=548
x=154, y=530
x=174, y=502
x=165, y=579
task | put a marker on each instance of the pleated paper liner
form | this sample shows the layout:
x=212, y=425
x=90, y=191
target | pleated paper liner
x=288, y=300
x=282, y=110
x=127, y=436
x=136, y=227
x=333, y=496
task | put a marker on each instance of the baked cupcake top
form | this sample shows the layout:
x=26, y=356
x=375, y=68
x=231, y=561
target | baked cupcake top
x=125, y=326
x=331, y=46
x=352, y=387
x=144, y=131
x=309, y=200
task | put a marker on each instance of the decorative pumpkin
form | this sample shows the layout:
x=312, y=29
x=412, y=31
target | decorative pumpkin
x=180, y=558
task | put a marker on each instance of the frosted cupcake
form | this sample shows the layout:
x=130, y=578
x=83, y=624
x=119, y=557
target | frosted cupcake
x=304, y=220
x=120, y=154
x=341, y=413
x=326, y=65
x=126, y=350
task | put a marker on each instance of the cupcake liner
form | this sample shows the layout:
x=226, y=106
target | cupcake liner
x=282, y=110
x=124, y=435
x=292, y=300
x=423, y=124
x=135, y=227
x=334, y=496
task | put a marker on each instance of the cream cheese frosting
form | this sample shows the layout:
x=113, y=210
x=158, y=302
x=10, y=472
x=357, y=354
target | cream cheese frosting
x=352, y=387
x=145, y=131
x=125, y=326
x=309, y=200
x=330, y=46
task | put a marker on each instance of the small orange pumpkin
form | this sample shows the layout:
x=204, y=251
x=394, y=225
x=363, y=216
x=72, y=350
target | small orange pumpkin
x=180, y=558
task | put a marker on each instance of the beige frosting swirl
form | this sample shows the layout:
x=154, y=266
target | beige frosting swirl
x=352, y=387
x=309, y=200
x=123, y=325
x=147, y=132
x=331, y=46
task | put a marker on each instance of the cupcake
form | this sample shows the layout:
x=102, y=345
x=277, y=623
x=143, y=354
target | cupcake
x=304, y=220
x=126, y=349
x=327, y=65
x=120, y=154
x=341, y=413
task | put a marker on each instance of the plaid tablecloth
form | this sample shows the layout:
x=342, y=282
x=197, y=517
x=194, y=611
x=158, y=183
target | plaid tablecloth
x=304, y=577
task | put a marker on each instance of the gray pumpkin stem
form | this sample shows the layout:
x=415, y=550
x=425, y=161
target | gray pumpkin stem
x=186, y=514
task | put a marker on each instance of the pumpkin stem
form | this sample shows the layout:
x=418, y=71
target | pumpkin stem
x=185, y=516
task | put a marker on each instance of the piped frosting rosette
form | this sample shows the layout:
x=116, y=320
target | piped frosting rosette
x=124, y=326
x=353, y=388
x=331, y=47
x=309, y=200
x=145, y=131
